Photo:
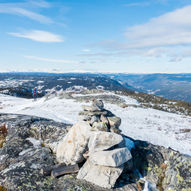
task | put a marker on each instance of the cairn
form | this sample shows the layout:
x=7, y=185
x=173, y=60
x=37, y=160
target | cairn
x=96, y=143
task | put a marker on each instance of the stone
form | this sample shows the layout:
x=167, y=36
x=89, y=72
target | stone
x=177, y=173
x=99, y=126
x=70, y=150
x=114, y=121
x=89, y=108
x=112, y=158
x=115, y=130
x=94, y=119
x=91, y=113
x=104, y=119
x=100, y=141
x=84, y=118
x=98, y=104
x=100, y=175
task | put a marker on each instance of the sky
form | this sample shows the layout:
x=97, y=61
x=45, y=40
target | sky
x=126, y=36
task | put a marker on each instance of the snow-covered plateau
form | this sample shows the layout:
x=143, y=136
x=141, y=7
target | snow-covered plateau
x=158, y=127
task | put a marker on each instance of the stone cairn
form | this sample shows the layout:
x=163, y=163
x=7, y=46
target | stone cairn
x=95, y=139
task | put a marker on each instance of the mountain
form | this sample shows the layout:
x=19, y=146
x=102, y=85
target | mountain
x=171, y=86
x=157, y=129
x=21, y=84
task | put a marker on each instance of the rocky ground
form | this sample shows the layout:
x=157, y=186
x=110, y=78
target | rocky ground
x=30, y=143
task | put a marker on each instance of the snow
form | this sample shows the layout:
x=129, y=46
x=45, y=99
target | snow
x=157, y=127
x=12, y=83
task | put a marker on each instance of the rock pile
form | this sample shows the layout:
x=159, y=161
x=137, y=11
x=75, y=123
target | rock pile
x=96, y=139
x=99, y=118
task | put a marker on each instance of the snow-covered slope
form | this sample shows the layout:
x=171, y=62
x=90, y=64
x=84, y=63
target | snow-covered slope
x=157, y=127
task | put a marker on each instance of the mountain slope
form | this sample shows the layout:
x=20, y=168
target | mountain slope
x=158, y=127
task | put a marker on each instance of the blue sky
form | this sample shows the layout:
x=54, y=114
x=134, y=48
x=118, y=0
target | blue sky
x=131, y=36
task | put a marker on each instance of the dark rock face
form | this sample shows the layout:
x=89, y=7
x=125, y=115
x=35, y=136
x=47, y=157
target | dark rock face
x=30, y=145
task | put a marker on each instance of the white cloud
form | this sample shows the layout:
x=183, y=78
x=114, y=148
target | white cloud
x=21, y=9
x=40, y=36
x=51, y=60
x=170, y=29
x=173, y=28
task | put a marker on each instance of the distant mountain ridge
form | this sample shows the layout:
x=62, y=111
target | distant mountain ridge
x=171, y=86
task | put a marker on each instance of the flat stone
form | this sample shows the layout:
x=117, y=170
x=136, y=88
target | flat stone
x=114, y=121
x=113, y=158
x=98, y=104
x=70, y=150
x=99, y=126
x=104, y=119
x=100, y=175
x=101, y=140
x=91, y=113
x=94, y=119
x=89, y=108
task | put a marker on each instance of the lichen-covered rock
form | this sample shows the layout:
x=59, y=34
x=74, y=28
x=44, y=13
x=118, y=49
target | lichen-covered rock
x=71, y=148
x=23, y=154
x=100, y=175
x=166, y=168
x=177, y=172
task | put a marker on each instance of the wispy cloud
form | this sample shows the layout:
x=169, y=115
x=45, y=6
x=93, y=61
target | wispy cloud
x=51, y=60
x=173, y=28
x=138, y=4
x=40, y=36
x=170, y=29
x=86, y=50
x=22, y=9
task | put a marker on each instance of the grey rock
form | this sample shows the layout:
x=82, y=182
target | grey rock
x=89, y=108
x=114, y=121
x=100, y=175
x=100, y=141
x=115, y=130
x=71, y=148
x=112, y=158
x=94, y=119
x=98, y=104
x=104, y=119
x=99, y=126
x=91, y=113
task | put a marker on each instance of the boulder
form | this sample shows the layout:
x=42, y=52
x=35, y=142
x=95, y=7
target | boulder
x=91, y=113
x=98, y=104
x=177, y=173
x=89, y=108
x=100, y=141
x=113, y=158
x=94, y=119
x=100, y=175
x=104, y=119
x=115, y=130
x=114, y=121
x=70, y=150
x=99, y=126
